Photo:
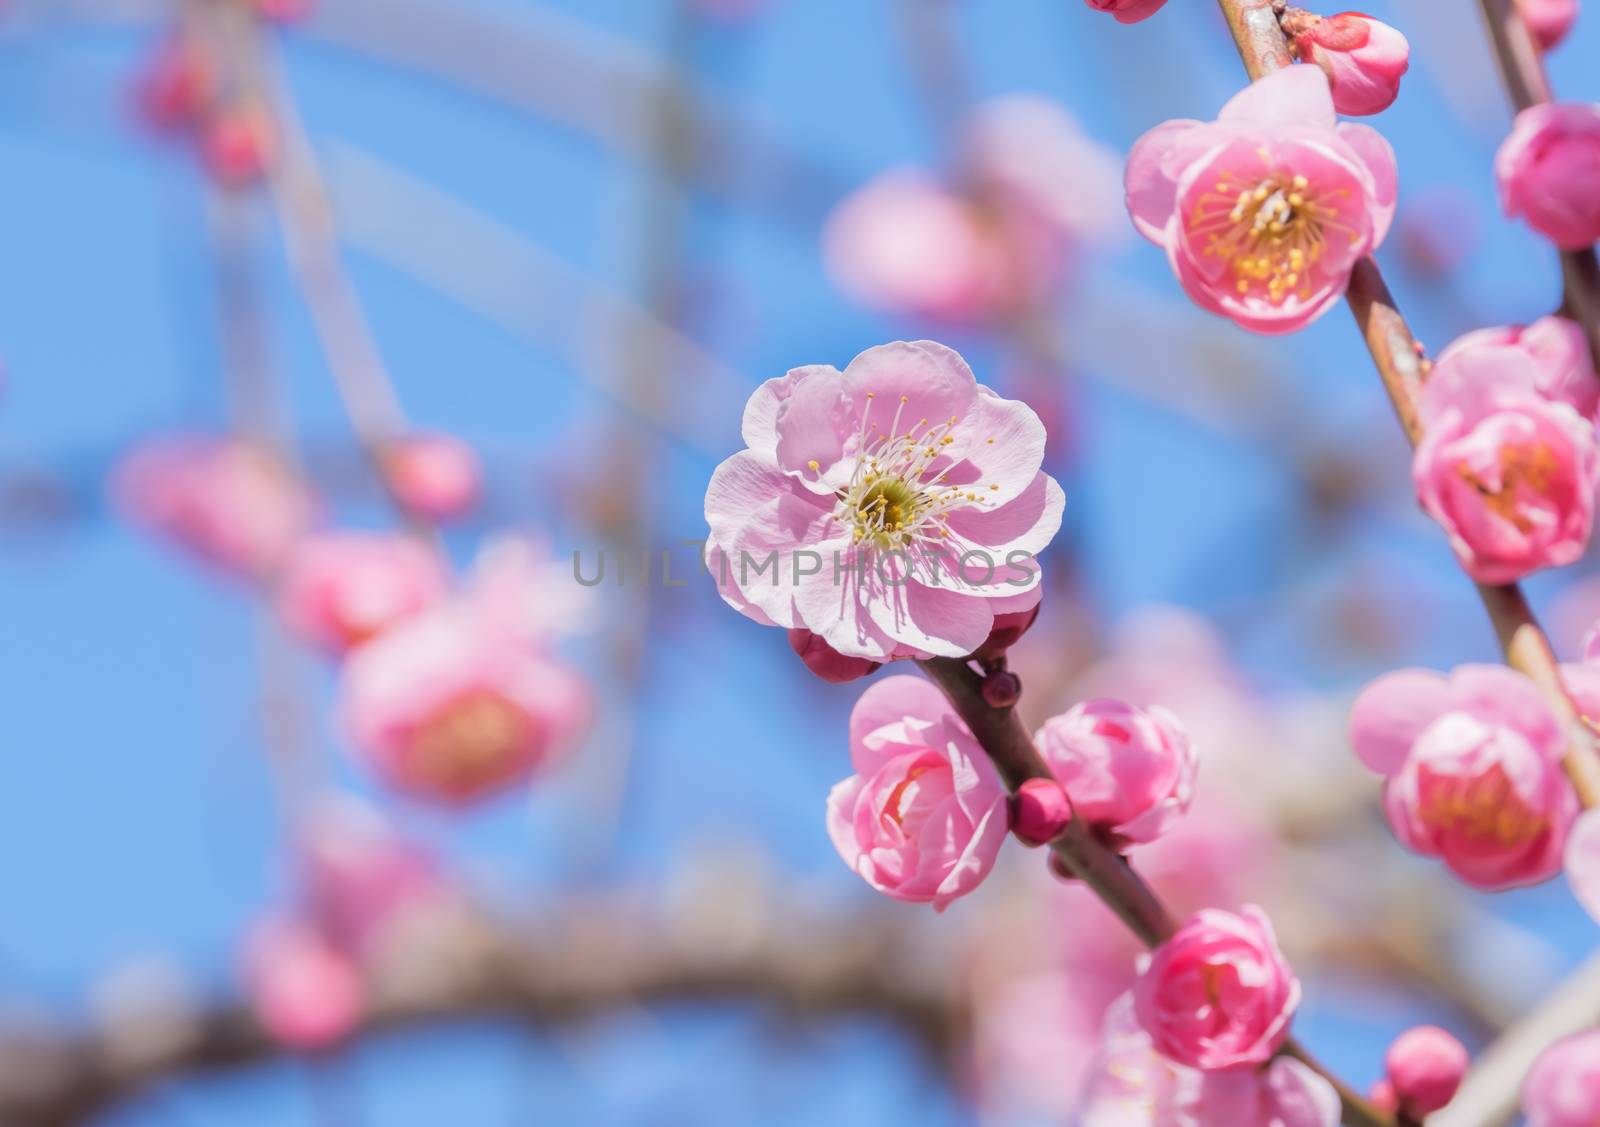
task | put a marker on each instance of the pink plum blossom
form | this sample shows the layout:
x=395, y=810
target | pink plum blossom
x=1425, y=1066
x=1362, y=57
x=1547, y=169
x=1582, y=861
x=229, y=501
x=1508, y=473
x=1132, y=1083
x=907, y=245
x=340, y=589
x=436, y=476
x=1563, y=1087
x=1128, y=771
x=1560, y=353
x=1128, y=11
x=452, y=707
x=1218, y=994
x=1472, y=768
x=893, y=509
x=237, y=145
x=1548, y=20
x=924, y=816
x=305, y=991
x=1265, y=211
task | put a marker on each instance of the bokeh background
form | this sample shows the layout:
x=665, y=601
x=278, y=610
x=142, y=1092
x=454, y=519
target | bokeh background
x=582, y=232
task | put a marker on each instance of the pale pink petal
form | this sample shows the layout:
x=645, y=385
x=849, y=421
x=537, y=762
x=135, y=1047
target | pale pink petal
x=1378, y=157
x=1154, y=165
x=1293, y=96
x=1391, y=713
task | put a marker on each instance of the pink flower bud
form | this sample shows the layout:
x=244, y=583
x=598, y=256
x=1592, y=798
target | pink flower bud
x=284, y=11
x=306, y=993
x=1509, y=474
x=436, y=476
x=1563, y=368
x=1001, y=688
x=1473, y=770
x=924, y=816
x=1219, y=993
x=237, y=146
x=1548, y=20
x=1007, y=632
x=827, y=662
x=177, y=85
x=1547, y=169
x=1362, y=57
x=1425, y=1066
x=1128, y=11
x=1381, y=1096
x=1128, y=770
x=340, y=589
x=1040, y=811
x=1563, y=1087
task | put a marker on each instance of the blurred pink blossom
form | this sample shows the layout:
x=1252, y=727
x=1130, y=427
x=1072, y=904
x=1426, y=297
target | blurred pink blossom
x=437, y=476
x=1132, y=1083
x=1425, y=1066
x=1509, y=474
x=1129, y=771
x=284, y=11
x=1473, y=772
x=1582, y=861
x=1128, y=11
x=924, y=816
x=1563, y=1087
x=911, y=493
x=225, y=499
x=1264, y=211
x=1218, y=994
x=1560, y=353
x=1547, y=169
x=305, y=991
x=237, y=144
x=1363, y=58
x=340, y=589
x=177, y=84
x=453, y=707
x=1549, y=20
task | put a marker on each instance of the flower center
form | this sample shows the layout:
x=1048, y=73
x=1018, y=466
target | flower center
x=1270, y=232
x=1483, y=808
x=896, y=498
x=469, y=744
x=1533, y=466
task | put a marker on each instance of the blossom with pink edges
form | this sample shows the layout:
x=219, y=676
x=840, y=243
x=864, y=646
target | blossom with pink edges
x=1563, y=1087
x=1547, y=169
x=1363, y=58
x=340, y=589
x=437, y=476
x=227, y=500
x=1132, y=1082
x=1509, y=474
x=893, y=509
x=1265, y=211
x=306, y=992
x=1425, y=1067
x=924, y=816
x=1128, y=11
x=1218, y=994
x=1548, y=20
x=452, y=707
x=1558, y=349
x=1472, y=769
x=1129, y=771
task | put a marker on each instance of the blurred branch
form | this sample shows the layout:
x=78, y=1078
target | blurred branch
x=1491, y=1093
x=593, y=958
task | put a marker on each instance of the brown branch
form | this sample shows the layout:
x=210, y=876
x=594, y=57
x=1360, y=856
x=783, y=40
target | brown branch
x=1107, y=873
x=598, y=957
x=1400, y=360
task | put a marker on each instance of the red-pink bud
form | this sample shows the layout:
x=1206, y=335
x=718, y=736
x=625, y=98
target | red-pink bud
x=437, y=476
x=1362, y=57
x=827, y=662
x=238, y=146
x=1548, y=20
x=1128, y=11
x=1002, y=689
x=1425, y=1067
x=1381, y=1096
x=284, y=11
x=1040, y=810
x=1007, y=631
x=176, y=85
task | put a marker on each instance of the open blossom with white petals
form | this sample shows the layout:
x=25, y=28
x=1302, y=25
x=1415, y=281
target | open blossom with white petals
x=892, y=509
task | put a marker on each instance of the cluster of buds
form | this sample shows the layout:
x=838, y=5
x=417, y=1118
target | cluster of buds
x=185, y=89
